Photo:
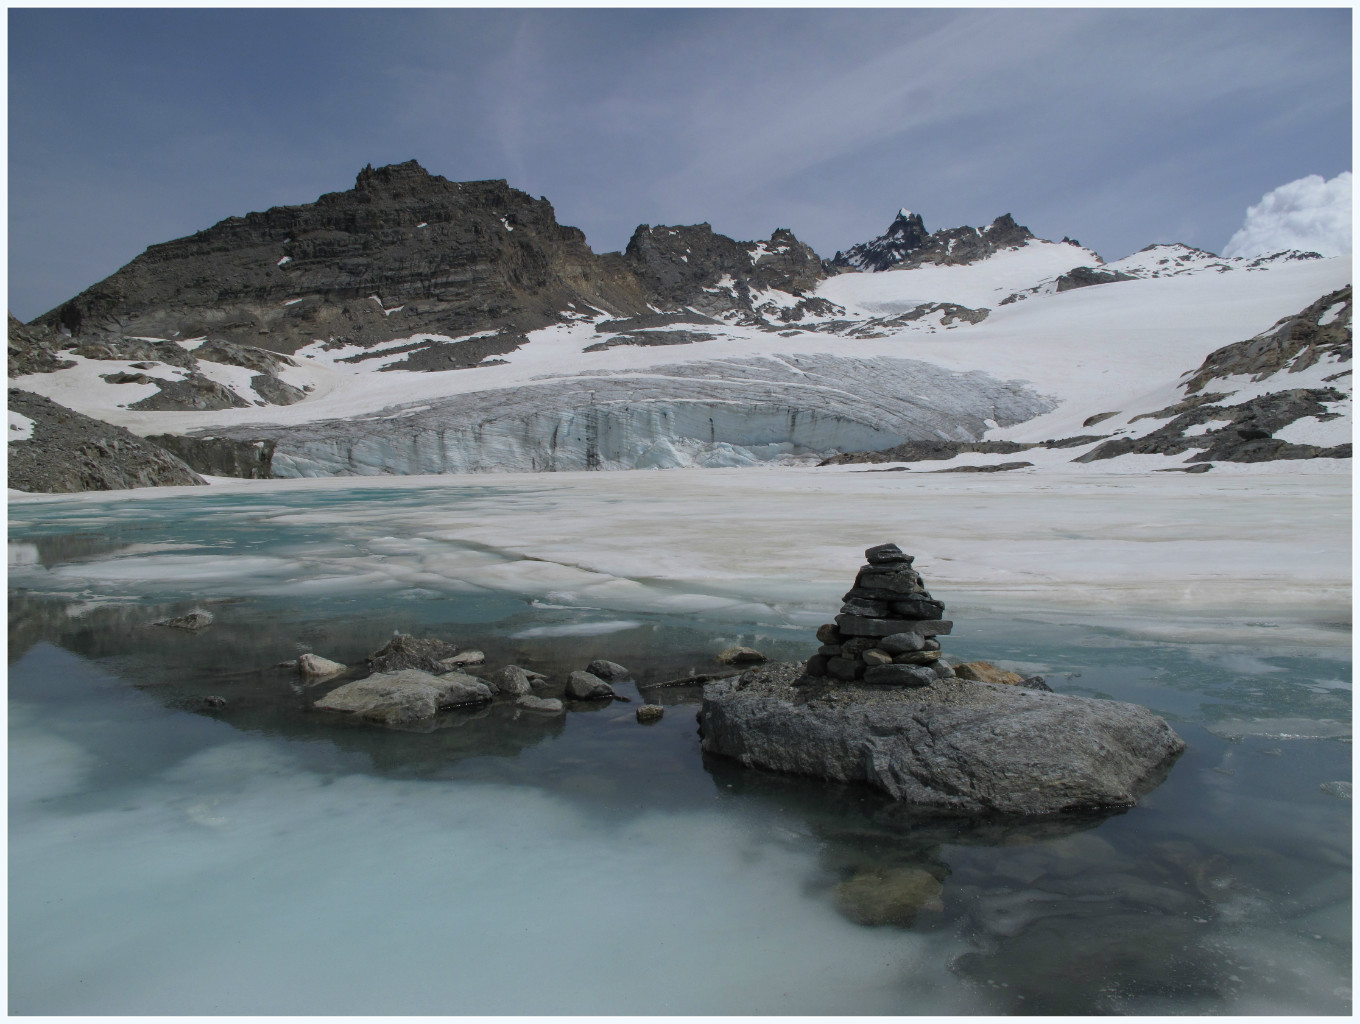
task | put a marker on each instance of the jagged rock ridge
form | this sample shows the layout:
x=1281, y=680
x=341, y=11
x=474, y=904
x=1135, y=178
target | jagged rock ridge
x=906, y=244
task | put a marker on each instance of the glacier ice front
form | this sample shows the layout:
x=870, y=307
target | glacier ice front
x=723, y=413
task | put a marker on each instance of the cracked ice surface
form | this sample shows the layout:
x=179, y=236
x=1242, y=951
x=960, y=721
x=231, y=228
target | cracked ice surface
x=775, y=545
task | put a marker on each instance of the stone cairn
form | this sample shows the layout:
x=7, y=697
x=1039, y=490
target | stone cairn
x=886, y=632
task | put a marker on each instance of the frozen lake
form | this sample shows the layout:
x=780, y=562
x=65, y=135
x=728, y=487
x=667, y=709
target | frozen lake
x=167, y=858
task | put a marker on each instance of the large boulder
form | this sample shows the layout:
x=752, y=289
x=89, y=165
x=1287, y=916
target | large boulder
x=955, y=746
x=401, y=698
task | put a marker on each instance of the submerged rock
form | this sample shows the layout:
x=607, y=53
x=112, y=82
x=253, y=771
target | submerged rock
x=532, y=703
x=400, y=698
x=191, y=622
x=955, y=746
x=879, y=896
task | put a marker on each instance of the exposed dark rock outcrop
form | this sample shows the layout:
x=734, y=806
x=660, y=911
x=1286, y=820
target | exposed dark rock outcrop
x=907, y=244
x=1294, y=343
x=72, y=452
x=1243, y=436
x=34, y=349
x=194, y=391
x=220, y=456
x=692, y=266
x=648, y=338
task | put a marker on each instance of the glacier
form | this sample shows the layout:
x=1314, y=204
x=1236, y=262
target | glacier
x=728, y=413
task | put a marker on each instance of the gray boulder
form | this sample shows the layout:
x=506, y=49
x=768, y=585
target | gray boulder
x=584, y=686
x=956, y=746
x=511, y=680
x=609, y=671
x=400, y=698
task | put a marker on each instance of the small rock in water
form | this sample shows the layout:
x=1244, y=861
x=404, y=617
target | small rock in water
x=512, y=680
x=532, y=703
x=741, y=656
x=215, y=702
x=649, y=713
x=986, y=672
x=609, y=671
x=400, y=698
x=192, y=622
x=314, y=666
x=585, y=686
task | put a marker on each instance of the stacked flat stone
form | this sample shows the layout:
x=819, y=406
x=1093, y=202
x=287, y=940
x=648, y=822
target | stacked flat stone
x=886, y=632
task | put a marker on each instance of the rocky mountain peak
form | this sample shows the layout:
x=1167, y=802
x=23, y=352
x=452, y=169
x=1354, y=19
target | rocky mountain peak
x=907, y=244
x=392, y=176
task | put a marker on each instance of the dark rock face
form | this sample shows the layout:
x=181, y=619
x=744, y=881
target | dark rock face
x=1246, y=437
x=220, y=456
x=922, y=451
x=686, y=266
x=954, y=746
x=1084, y=277
x=906, y=244
x=1294, y=343
x=194, y=391
x=120, y=348
x=33, y=349
x=71, y=452
x=649, y=338
x=407, y=252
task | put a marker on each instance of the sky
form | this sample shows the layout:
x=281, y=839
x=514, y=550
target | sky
x=1120, y=128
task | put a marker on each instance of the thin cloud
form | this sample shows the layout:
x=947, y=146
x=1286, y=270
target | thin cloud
x=1311, y=214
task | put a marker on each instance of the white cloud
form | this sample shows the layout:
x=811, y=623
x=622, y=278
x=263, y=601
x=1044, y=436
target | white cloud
x=1309, y=214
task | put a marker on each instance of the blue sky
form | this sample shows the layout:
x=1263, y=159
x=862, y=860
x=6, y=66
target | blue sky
x=1119, y=128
